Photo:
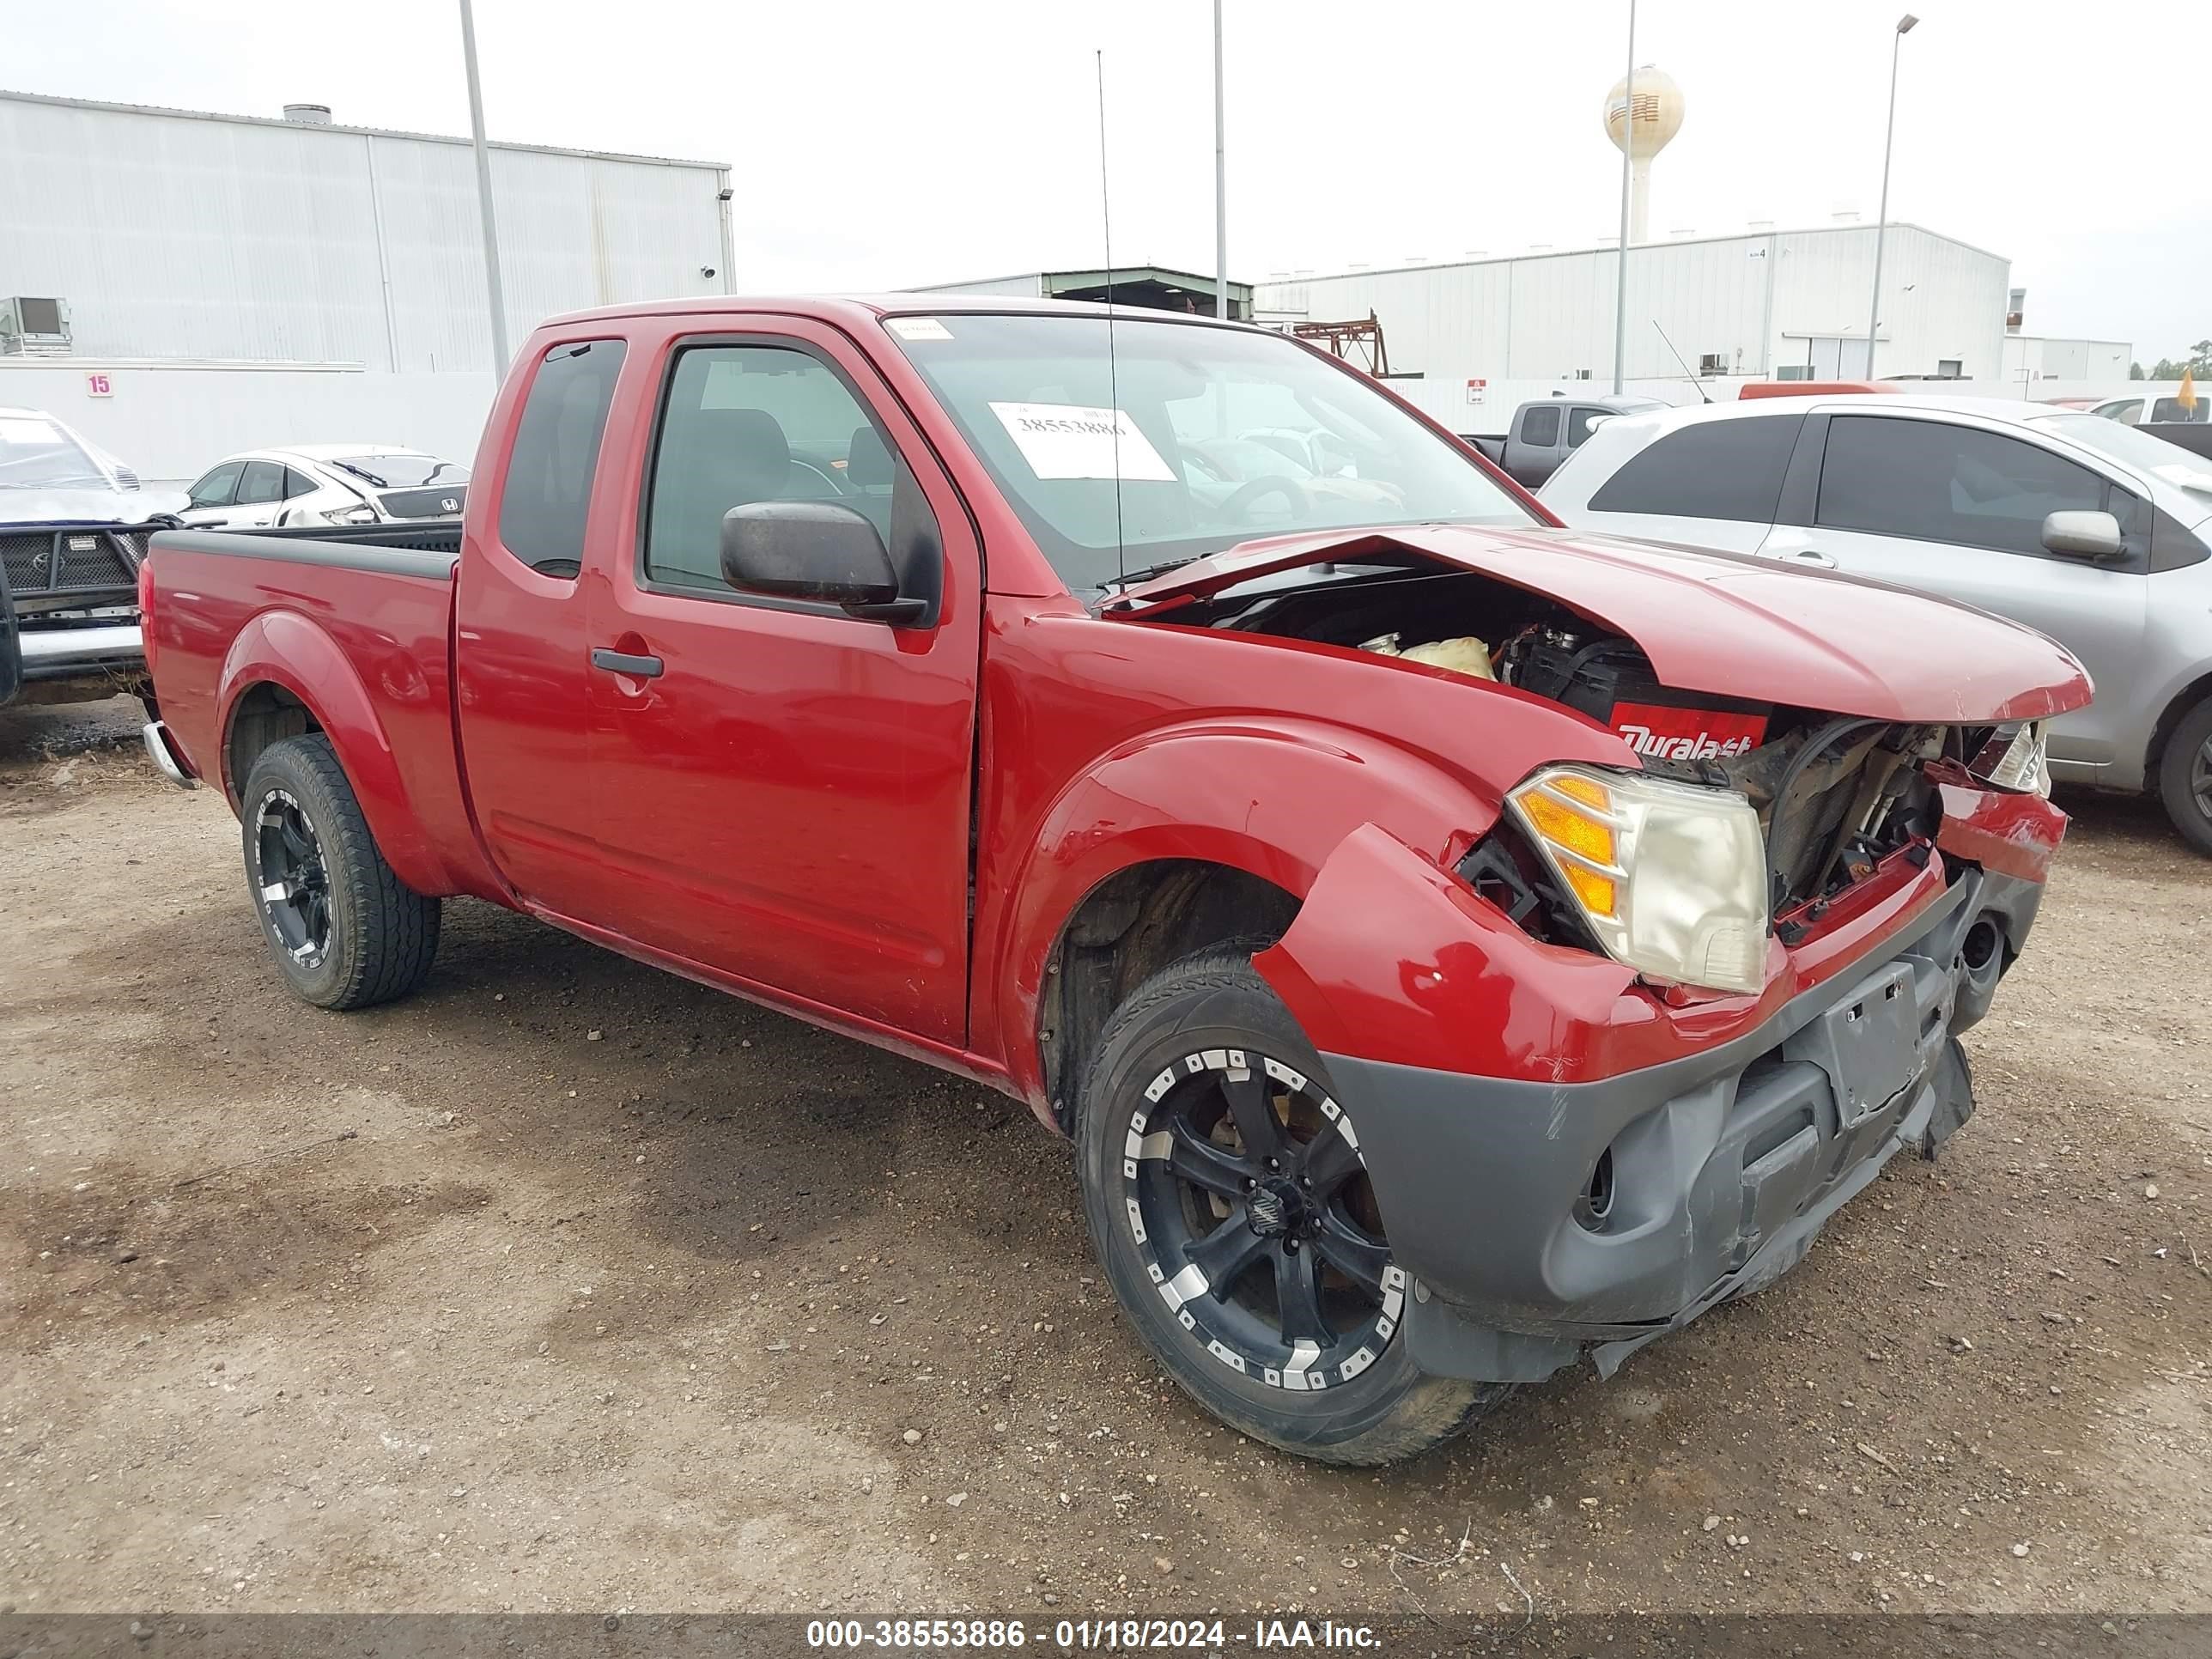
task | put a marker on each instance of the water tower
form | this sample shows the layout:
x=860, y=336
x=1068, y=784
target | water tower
x=1643, y=132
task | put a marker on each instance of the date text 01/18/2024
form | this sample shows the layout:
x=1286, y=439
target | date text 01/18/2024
x=1087, y=1635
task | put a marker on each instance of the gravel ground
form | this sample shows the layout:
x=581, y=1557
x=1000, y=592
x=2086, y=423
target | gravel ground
x=569, y=1285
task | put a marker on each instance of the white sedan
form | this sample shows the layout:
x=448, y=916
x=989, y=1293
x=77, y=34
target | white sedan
x=327, y=483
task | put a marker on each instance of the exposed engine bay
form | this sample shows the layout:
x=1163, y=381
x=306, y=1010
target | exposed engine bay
x=1835, y=795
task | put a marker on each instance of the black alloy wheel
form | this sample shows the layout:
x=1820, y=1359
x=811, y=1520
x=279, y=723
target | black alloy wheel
x=1246, y=1182
x=295, y=890
x=1232, y=1211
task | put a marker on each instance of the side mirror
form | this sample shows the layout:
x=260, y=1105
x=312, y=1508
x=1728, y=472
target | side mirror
x=817, y=550
x=2084, y=535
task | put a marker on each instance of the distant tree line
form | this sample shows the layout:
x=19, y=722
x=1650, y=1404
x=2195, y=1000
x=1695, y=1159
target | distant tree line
x=2198, y=362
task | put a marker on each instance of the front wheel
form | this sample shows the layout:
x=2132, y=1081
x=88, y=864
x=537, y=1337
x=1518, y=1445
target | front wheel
x=345, y=932
x=2184, y=777
x=1230, y=1208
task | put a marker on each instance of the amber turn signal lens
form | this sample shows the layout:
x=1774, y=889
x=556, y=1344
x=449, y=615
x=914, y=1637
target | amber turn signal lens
x=1567, y=827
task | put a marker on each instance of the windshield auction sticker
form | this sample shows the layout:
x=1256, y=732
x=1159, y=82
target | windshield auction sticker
x=1066, y=440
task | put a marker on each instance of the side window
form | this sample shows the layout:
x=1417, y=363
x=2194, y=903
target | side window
x=219, y=487
x=771, y=423
x=556, y=449
x=297, y=484
x=2128, y=411
x=1540, y=426
x=2172, y=409
x=1714, y=469
x=1937, y=483
x=262, y=481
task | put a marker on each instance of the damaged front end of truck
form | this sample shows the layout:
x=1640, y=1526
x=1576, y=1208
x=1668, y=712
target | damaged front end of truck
x=1618, y=1055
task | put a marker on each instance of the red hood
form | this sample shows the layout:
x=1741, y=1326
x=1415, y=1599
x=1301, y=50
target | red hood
x=1735, y=626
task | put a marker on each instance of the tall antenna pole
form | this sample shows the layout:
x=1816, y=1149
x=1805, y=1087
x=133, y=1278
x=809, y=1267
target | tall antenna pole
x=1220, y=181
x=1627, y=161
x=1113, y=370
x=484, y=192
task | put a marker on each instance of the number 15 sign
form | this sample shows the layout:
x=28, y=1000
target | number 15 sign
x=97, y=385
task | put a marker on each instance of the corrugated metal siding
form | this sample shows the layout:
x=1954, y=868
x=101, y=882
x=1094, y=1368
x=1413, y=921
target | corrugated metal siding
x=1940, y=300
x=173, y=236
x=1547, y=316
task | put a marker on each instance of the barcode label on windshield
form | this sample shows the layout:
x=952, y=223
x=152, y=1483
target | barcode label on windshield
x=1068, y=440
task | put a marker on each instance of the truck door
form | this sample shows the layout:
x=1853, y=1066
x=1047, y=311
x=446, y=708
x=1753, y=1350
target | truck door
x=784, y=789
x=522, y=676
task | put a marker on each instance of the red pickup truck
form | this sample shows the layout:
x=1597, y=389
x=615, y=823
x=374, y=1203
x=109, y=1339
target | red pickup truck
x=1456, y=945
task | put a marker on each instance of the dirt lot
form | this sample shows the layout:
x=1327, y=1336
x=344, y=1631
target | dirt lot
x=569, y=1285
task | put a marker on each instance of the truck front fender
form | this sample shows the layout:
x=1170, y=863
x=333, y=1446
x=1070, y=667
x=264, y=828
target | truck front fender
x=286, y=649
x=1266, y=795
x=1394, y=958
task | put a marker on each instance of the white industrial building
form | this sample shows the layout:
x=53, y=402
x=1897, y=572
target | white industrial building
x=2029, y=358
x=1768, y=304
x=224, y=281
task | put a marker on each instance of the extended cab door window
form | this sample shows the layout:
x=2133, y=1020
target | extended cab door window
x=548, y=490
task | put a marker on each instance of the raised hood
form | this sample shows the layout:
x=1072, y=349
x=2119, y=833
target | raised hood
x=1732, y=625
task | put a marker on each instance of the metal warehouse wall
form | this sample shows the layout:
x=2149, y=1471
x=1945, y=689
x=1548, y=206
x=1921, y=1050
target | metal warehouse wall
x=177, y=235
x=1548, y=316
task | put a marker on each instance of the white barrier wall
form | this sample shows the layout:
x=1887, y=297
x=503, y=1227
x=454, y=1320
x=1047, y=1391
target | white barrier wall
x=173, y=421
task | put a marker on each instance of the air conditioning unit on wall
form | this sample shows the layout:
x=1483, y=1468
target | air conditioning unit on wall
x=33, y=327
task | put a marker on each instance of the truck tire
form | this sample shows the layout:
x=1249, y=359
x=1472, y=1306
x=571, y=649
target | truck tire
x=344, y=931
x=1228, y=1206
x=2184, y=777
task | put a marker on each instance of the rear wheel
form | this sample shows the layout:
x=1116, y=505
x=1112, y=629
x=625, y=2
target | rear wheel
x=2184, y=777
x=345, y=932
x=1230, y=1208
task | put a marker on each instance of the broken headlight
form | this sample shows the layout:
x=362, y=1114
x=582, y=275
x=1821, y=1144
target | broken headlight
x=2022, y=766
x=1671, y=877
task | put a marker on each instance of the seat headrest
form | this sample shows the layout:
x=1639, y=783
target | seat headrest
x=867, y=461
x=747, y=447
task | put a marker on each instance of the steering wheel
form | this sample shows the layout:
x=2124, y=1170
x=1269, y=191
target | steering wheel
x=1237, y=508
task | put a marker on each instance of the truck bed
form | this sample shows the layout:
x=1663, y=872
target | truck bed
x=359, y=617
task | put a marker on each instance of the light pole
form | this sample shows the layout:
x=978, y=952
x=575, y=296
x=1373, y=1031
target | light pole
x=1627, y=165
x=483, y=194
x=1220, y=181
x=1882, y=218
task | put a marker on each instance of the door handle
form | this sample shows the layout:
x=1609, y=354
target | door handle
x=1810, y=556
x=621, y=662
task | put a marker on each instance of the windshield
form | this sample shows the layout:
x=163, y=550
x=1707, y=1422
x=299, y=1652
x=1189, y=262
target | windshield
x=402, y=471
x=35, y=453
x=1190, y=439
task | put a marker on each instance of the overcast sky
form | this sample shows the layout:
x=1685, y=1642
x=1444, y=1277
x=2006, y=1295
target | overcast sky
x=877, y=142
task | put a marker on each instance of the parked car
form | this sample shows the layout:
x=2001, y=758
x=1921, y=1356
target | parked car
x=73, y=525
x=2153, y=408
x=2086, y=529
x=1632, y=957
x=312, y=484
x=1544, y=431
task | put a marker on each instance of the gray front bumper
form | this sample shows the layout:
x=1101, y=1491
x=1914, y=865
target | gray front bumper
x=1715, y=1171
